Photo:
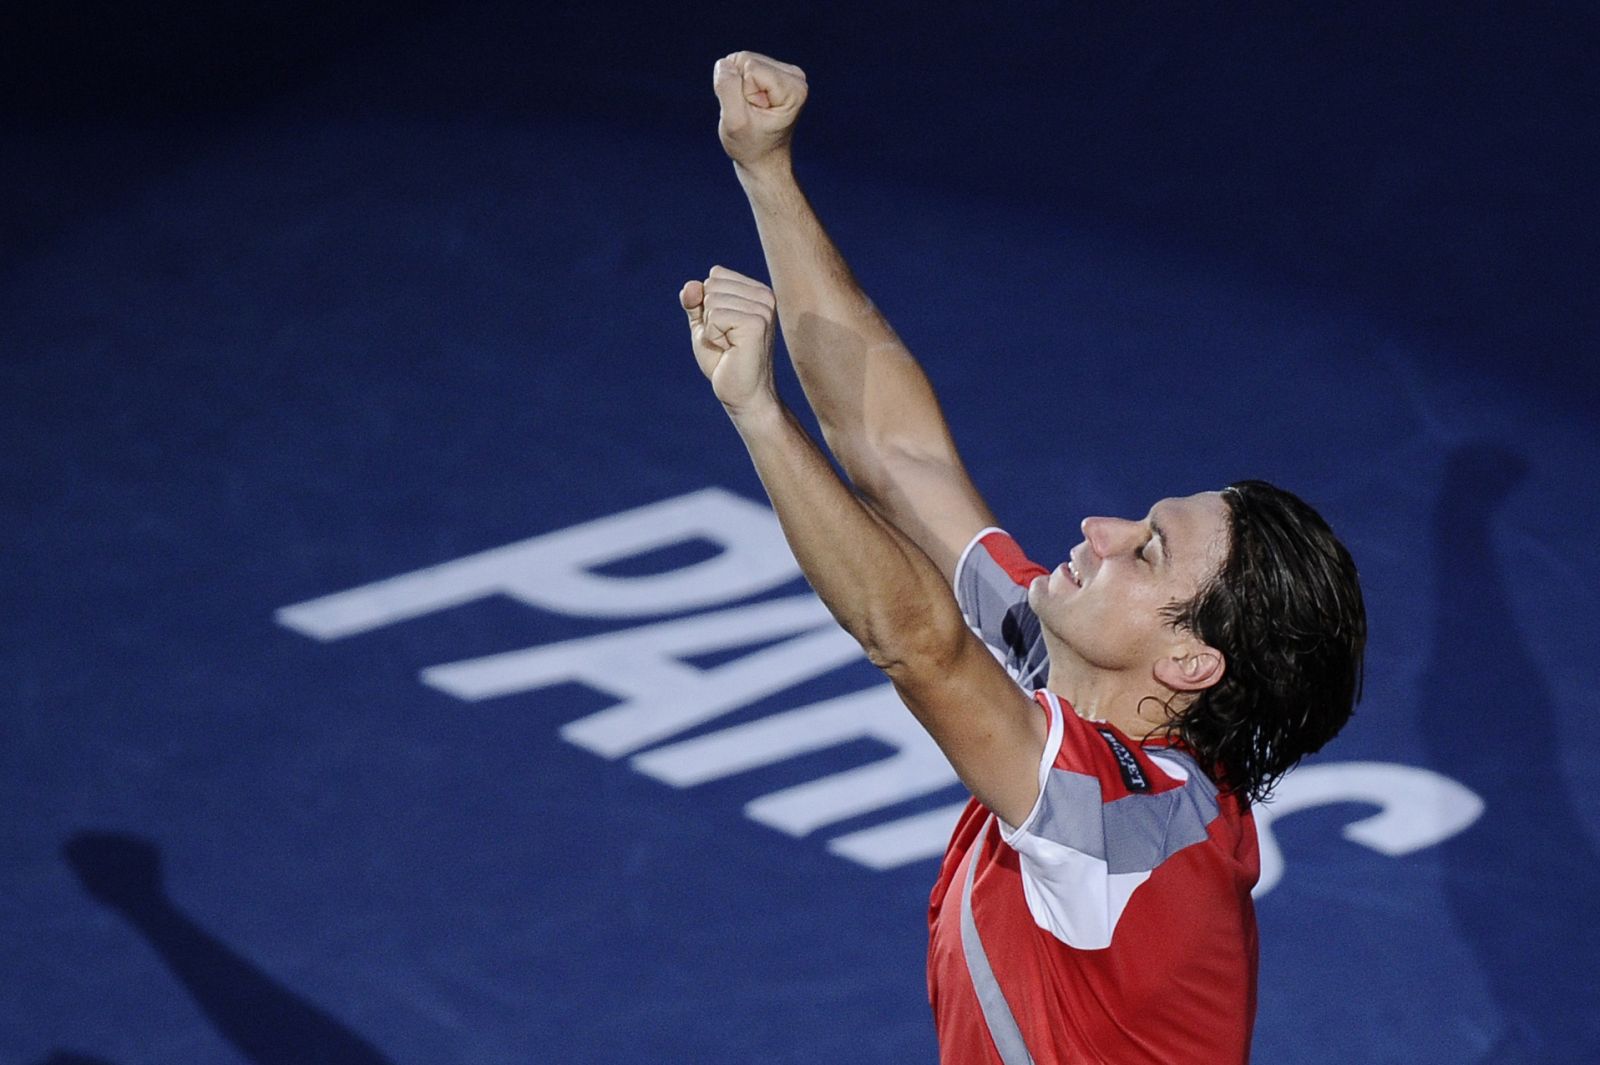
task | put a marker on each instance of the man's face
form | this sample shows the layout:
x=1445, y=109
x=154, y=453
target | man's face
x=1103, y=607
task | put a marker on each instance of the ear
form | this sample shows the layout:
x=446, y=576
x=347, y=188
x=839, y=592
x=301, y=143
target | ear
x=1193, y=668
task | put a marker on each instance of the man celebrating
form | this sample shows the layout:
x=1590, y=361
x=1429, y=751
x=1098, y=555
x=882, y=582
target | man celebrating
x=1113, y=717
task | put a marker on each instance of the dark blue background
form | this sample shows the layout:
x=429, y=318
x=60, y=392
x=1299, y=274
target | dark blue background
x=295, y=299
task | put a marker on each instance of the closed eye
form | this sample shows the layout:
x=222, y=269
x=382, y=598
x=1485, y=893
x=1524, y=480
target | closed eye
x=1139, y=553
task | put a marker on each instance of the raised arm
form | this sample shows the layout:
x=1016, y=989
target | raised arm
x=882, y=589
x=878, y=412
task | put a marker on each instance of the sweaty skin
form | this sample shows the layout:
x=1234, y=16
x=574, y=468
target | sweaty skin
x=1114, y=656
x=880, y=586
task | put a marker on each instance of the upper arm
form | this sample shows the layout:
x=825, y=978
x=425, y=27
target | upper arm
x=969, y=693
x=929, y=496
x=992, y=732
x=973, y=699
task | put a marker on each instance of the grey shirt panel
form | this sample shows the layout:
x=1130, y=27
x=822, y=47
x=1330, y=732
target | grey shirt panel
x=996, y=607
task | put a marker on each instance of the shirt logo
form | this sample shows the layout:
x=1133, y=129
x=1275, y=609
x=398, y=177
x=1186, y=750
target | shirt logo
x=1132, y=775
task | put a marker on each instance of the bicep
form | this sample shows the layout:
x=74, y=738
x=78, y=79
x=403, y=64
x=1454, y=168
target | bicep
x=990, y=730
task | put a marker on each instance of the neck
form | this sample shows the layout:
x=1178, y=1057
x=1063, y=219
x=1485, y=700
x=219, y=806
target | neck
x=1135, y=706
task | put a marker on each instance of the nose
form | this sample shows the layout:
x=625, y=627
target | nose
x=1106, y=536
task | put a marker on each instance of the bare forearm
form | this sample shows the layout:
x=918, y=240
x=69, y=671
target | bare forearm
x=877, y=410
x=878, y=413
x=879, y=585
x=868, y=392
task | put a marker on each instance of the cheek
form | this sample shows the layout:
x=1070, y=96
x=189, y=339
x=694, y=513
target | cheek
x=1124, y=625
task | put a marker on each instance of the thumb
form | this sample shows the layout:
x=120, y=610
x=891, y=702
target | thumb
x=692, y=297
x=728, y=83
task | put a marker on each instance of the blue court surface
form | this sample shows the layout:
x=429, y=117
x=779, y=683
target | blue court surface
x=403, y=665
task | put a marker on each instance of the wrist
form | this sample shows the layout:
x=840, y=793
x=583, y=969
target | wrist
x=756, y=414
x=774, y=168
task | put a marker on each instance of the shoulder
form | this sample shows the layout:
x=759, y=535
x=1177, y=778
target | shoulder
x=992, y=554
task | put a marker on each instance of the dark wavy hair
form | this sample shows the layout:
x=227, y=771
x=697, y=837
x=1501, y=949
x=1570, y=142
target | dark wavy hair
x=1285, y=610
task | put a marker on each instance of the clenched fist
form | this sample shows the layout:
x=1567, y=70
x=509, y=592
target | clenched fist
x=760, y=98
x=731, y=328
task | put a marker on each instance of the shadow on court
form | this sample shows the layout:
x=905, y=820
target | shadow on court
x=266, y=1022
x=1521, y=880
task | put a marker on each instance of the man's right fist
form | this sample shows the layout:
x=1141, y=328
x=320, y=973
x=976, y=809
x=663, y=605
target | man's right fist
x=761, y=98
x=731, y=326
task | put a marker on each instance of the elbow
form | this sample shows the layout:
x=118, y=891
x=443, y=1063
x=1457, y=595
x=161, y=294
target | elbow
x=909, y=646
x=882, y=461
x=863, y=464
